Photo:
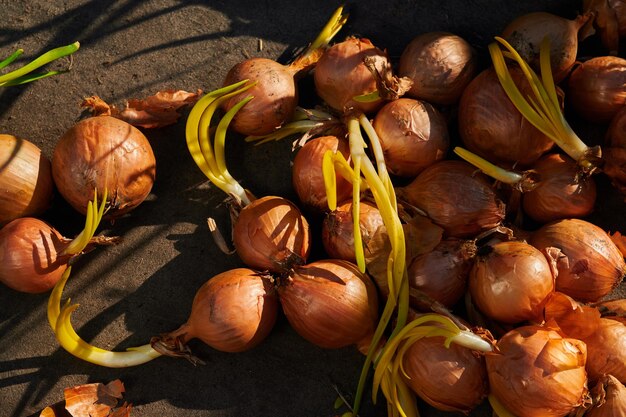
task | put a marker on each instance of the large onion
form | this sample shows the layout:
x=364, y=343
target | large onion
x=440, y=64
x=413, y=135
x=25, y=179
x=589, y=264
x=103, y=152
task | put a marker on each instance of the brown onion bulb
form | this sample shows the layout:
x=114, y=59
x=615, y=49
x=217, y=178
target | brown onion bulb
x=341, y=74
x=596, y=88
x=25, y=179
x=330, y=303
x=455, y=197
x=449, y=378
x=589, y=264
x=606, y=350
x=510, y=281
x=560, y=192
x=609, y=21
x=232, y=312
x=103, y=152
x=614, y=151
x=413, y=135
x=609, y=398
x=307, y=176
x=440, y=64
x=271, y=234
x=525, y=33
x=492, y=127
x=536, y=372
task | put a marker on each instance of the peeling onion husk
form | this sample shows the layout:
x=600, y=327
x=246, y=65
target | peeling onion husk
x=609, y=398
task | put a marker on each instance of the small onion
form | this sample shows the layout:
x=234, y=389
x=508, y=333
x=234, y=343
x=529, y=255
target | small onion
x=589, y=264
x=271, y=234
x=536, y=372
x=103, y=152
x=440, y=64
x=510, y=282
x=413, y=135
x=307, y=176
x=614, y=151
x=596, y=88
x=450, y=378
x=609, y=398
x=492, y=127
x=330, y=303
x=26, y=184
x=560, y=192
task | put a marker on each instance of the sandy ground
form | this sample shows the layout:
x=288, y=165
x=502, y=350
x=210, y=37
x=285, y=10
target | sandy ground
x=144, y=286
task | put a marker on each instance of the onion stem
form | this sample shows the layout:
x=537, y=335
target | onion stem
x=494, y=171
x=92, y=221
x=23, y=75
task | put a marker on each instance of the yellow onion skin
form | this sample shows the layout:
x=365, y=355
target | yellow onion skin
x=492, y=127
x=275, y=96
x=450, y=379
x=511, y=281
x=26, y=185
x=340, y=75
x=560, y=192
x=536, y=372
x=233, y=311
x=589, y=264
x=440, y=64
x=455, y=197
x=525, y=33
x=442, y=273
x=609, y=398
x=99, y=153
x=596, y=88
x=307, y=176
x=330, y=303
x=606, y=350
x=30, y=259
x=413, y=135
x=609, y=21
x=271, y=234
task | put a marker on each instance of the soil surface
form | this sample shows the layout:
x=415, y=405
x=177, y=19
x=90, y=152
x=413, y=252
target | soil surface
x=144, y=286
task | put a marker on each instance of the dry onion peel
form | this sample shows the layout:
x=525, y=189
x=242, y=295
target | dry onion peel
x=23, y=75
x=498, y=408
x=544, y=110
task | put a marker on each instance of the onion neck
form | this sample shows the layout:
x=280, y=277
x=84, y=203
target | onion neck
x=175, y=344
x=24, y=74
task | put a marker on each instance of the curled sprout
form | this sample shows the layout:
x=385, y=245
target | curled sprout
x=543, y=109
x=307, y=121
x=24, y=74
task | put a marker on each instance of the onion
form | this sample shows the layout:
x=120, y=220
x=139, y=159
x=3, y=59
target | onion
x=440, y=64
x=271, y=234
x=103, y=152
x=330, y=303
x=413, y=135
x=589, y=264
x=510, y=281
x=25, y=179
x=307, y=176
x=233, y=311
x=614, y=152
x=526, y=32
x=609, y=21
x=443, y=272
x=492, y=127
x=560, y=192
x=596, y=88
x=455, y=197
x=609, y=398
x=450, y=378
x=536, y=372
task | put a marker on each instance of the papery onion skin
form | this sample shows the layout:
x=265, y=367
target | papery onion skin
x=536, y=372
x=492, y=127
x=330, y=303
x=99, y=153
x=275, y=96
x=455, y=197
x=440, y=64
x=614, y=151
x=271, y=234
x=596, y=88
x=26, y=185
x=560, y=192
x=450, y=378
x=606, y=350
x=609, y=398
x=307, y=176
x=589, y=264
x=30, y=259
x=340, y=75
x=413, y=135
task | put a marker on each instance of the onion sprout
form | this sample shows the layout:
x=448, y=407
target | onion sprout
x=92, y=221
x=23, y=75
